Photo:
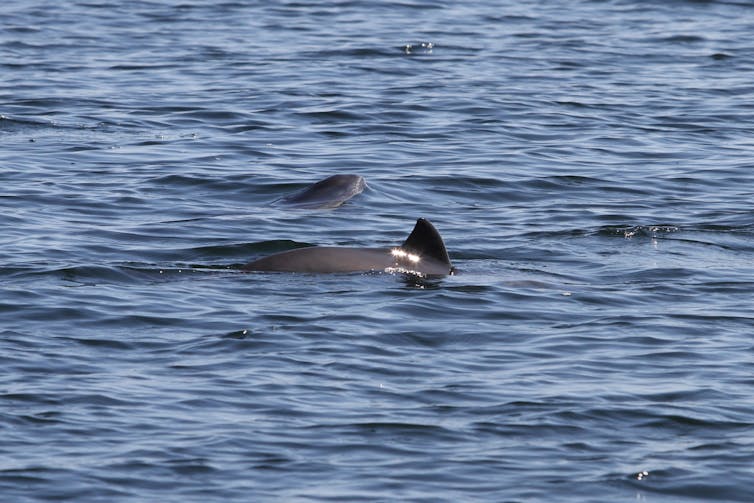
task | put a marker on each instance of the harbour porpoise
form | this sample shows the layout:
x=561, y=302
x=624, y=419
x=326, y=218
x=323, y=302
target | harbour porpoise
x=423, y=253
x=328, y=193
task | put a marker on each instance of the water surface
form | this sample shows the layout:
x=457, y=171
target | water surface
x=589, y=165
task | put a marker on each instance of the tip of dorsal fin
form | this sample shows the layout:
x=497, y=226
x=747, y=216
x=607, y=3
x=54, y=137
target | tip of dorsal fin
x=425, y=241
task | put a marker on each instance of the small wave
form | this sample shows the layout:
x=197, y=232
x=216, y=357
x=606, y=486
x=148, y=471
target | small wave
x=680, y=39
x=354, y=52
x=631, y=231
x=8, y=124
x=417, y=48
x=22, y=125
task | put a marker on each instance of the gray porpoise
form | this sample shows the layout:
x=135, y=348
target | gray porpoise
x=328, y=193
x=423, y=253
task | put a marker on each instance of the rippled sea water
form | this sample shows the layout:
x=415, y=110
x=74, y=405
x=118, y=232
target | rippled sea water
x=588, y=163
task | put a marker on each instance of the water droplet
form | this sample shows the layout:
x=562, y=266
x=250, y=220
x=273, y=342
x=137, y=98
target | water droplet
x=641, y=475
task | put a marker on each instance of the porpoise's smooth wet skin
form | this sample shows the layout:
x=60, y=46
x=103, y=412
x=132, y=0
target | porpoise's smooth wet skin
x=423, y=253
x=328, y=193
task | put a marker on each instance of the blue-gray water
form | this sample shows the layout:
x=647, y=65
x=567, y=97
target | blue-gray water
x=589, y=164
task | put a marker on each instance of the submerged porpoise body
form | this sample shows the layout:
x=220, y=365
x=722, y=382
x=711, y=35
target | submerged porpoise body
x=423, y=253
x=328, y=193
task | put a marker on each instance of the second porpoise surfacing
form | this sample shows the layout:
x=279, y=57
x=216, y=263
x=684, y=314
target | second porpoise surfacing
x=328, y=193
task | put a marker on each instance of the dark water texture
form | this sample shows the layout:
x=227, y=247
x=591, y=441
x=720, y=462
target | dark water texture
x=589, y=164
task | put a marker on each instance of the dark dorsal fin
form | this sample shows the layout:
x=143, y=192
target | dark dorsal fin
x=425, y=241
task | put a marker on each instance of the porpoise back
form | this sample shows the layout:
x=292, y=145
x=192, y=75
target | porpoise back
x=328, y=193
x=423, y=253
